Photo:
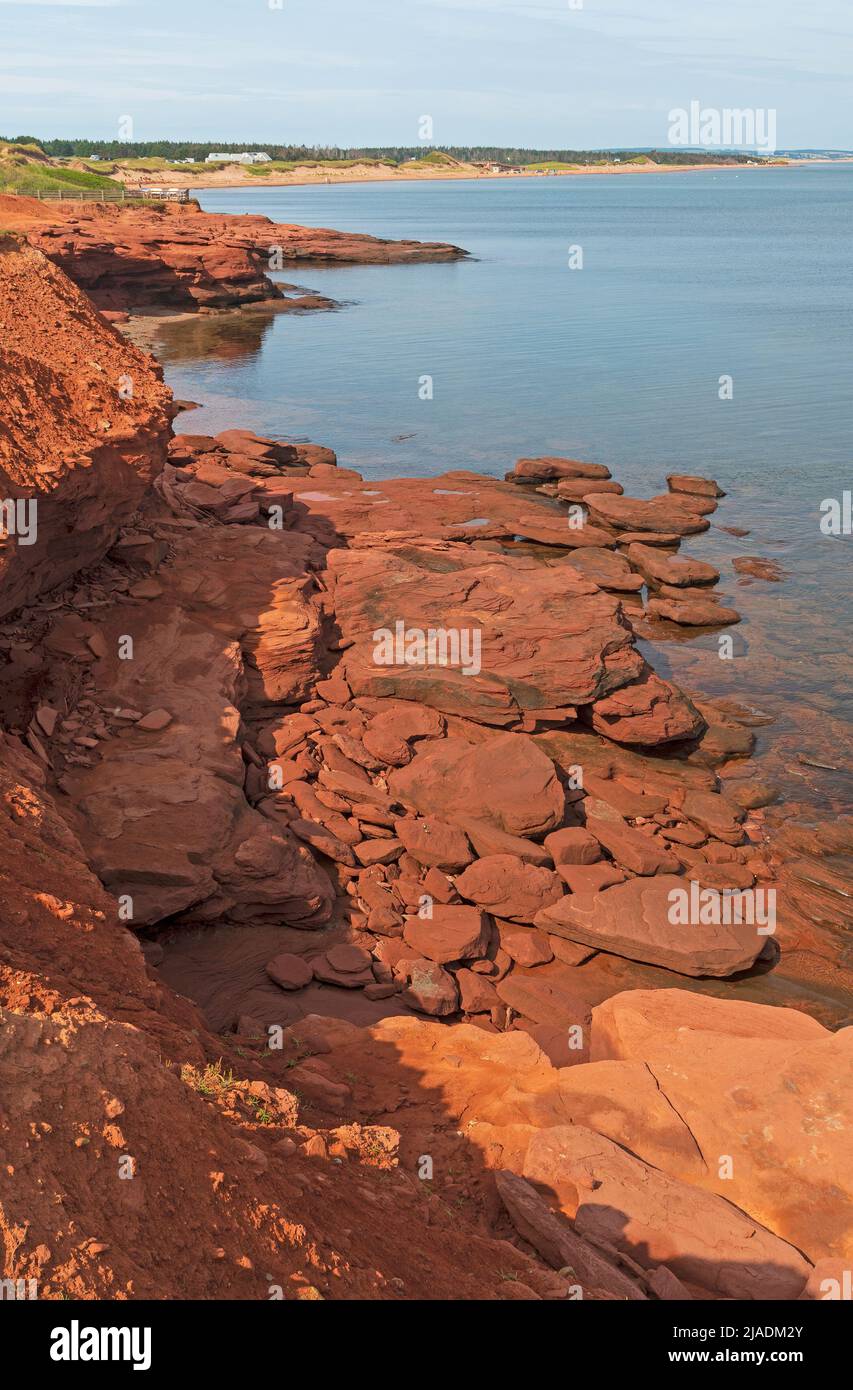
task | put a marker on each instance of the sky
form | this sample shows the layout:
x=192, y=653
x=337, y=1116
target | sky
x=535, y=73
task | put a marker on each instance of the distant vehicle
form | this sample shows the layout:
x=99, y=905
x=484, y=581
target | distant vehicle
x=247, y=157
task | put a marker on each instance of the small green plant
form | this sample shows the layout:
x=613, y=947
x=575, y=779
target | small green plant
x=213, y=1079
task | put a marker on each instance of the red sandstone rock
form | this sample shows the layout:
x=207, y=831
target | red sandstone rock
x=576, y=489
x=476, y=994
x=506, y=782
x=451, y=933
x=768, y=1086
x=693, y=612
x=759, y=568
x=714, y=812
x=557, y=1242
x=323, y=841
x=179, y=257
x=631, y=848
x=634, y=514
x=508, y=887
x=693, y=483
x=88, y=463
x=435, y=843
x=616, y=1199
x=673, y=570
x=524, y=945
x=637, y=919
x=544, y=469
x=290, y=972
x=606, y=568
x=488, y=839
x=431, y=990
x=378, y=851
x=573, y=845
x=589, y=878
x=649, y=711
x=515, y=636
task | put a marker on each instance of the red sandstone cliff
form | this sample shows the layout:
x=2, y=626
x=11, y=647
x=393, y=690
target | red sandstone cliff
x=178, y=257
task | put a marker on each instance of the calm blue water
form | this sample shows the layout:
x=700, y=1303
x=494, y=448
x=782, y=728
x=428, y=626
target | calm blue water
x=686, y=277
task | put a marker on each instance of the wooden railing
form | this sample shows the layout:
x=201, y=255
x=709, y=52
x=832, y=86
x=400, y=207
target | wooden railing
x=101, y=195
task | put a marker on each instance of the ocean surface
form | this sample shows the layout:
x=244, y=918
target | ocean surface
x=686, y=278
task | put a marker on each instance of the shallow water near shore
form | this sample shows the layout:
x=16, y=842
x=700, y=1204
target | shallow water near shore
x=685, y=278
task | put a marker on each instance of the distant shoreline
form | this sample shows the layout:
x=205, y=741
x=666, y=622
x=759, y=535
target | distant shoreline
x=240, y=178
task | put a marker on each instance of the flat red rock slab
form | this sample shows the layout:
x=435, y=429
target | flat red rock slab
x=675, y=570
x=616, y=1198
x=637, y=919
x=550, y=466
x=506, y=781
x=636, y=514
x=517, y=636
x=289, y=971
x=694, y=483
x=693, y=612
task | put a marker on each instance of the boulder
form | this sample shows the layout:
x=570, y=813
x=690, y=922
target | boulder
x=606, y=568
x=631, y=849
x=548, y=468
x=768, y=1087
x=289, y=971
x=488, y=839
x=431, y=990
x=524, y=945
x=693, y=483
x=692, y=612
x=508, y=887
x=476, y=994
x=451, y=933
x=434, y=843
x=506, y=782
x=617, y=1200
x=677, y=571
x=639, y=919
x=634, y=514
x=574, y=845
x=558, y=1244
x=647, y=712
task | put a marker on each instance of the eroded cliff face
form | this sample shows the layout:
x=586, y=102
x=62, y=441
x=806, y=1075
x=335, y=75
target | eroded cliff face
x=211, y=789
x=83, y=430
x=176, y=257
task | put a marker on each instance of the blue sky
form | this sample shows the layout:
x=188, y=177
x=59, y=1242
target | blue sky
x=354, y=72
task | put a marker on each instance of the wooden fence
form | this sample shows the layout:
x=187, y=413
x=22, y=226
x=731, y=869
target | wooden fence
x=100, y=195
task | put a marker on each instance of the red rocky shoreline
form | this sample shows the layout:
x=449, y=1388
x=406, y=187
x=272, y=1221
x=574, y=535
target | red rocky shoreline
x=468, y=875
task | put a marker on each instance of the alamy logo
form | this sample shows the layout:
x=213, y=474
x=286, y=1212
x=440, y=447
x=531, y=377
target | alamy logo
x=837, y=515
x=76, y=1343
x=19, y=518
x=726, y=907
x=434, y=646
x=18, y=1289
x=723, y=127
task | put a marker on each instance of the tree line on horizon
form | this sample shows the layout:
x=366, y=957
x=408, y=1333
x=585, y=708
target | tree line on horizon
x=173, y=150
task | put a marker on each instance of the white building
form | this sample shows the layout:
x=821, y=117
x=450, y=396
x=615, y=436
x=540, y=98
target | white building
x=247, y=157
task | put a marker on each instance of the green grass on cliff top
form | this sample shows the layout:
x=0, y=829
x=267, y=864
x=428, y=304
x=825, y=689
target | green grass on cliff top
x=27, y=169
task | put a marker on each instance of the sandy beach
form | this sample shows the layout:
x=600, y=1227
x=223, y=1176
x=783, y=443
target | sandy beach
x=239, y=177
